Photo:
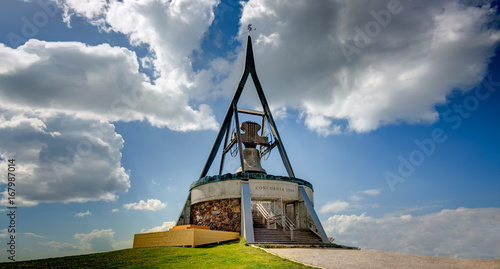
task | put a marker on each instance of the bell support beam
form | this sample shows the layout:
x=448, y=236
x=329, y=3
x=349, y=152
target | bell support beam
x=238, y=137
x=224, y=151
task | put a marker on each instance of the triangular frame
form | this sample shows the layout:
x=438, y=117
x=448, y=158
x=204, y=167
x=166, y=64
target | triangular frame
x=233, y=111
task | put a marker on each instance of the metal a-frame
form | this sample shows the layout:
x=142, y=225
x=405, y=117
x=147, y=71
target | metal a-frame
x=233, y=110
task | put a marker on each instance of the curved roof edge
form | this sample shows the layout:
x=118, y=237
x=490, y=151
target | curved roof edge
x=239, y=176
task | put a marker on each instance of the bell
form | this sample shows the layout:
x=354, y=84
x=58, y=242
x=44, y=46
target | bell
x=251, y=160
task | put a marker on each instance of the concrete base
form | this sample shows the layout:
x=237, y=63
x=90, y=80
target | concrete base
x=187, y=236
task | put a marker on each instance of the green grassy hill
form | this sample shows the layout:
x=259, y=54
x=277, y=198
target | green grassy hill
x=233, y=254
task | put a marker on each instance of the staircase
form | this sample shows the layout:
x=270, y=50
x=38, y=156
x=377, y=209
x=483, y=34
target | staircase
x=262, y=235
x=278, y=236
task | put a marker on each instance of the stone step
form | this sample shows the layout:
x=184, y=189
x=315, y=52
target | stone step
x=280, y=236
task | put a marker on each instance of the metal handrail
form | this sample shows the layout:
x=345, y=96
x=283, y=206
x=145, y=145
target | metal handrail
x=277, y=217
x=263, y=211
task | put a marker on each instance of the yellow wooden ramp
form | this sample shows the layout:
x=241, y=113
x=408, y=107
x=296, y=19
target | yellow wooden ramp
x=183, y=236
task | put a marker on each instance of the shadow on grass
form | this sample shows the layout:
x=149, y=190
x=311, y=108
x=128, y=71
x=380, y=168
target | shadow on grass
x=225, y=243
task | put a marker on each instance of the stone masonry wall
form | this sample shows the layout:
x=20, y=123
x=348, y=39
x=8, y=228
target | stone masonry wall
x=221, y=215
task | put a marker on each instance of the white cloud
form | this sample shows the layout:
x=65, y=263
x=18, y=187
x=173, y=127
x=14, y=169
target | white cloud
x=355, y=198
x=61, y=158
x=97, y=240
x=463, y=232
x=171, y=30
x=361, y=195
x=83, y=214
x=35, y=235
x=334, y=207
x=164, y=227
x=4, y=233
x=151, y=204
x=372, y=192
x=58, y=246
x=412, y=64
x=111, y=73
x=92, y=9
x=115, y=210
x=123, y=244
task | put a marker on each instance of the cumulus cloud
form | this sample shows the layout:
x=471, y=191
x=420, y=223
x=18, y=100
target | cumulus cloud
x=97, y=82
x=399, y=70
x=83, y=214
x=171, y=30
x=92, y=9
x=115, y=210
x=164, y=227
x=97, y=240
x=151, y=204
x=462, y=232
x=61, y=158
x=334, y=206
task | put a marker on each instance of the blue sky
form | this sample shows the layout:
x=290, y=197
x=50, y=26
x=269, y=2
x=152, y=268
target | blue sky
x=389, y=108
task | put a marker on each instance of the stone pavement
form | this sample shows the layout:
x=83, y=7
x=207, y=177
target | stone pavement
x=345, y=258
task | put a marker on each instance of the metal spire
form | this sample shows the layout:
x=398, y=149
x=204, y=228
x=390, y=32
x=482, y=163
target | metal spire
x=233, y=110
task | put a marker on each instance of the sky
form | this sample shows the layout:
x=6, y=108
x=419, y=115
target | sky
x=389, y=108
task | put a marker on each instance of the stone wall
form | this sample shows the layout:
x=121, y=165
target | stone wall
x=221, y=215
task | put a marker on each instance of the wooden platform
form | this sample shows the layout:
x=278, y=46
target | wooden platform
x=185, y=235
x=189, y=226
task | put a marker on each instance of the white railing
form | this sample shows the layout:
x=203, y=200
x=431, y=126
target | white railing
x=275, y=215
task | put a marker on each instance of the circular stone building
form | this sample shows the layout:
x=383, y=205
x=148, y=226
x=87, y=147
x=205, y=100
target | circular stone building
x=279, y=207
x=264, y=208
x=216, y=200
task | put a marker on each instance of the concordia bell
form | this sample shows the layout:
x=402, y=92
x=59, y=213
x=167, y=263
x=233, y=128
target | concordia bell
x=251, y=161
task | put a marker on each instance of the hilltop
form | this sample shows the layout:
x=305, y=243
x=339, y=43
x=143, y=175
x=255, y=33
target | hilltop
x=233, y=254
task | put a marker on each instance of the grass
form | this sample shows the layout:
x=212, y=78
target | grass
x=233, y=254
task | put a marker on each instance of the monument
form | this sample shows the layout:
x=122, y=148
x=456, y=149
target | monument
x=262, y=208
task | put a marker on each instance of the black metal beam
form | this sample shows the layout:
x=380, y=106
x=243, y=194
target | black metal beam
x=231, y=144
x=238, y=136
x=228, y=131
x=269, y=148
x=251, y=112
